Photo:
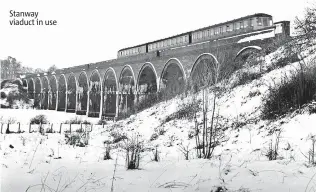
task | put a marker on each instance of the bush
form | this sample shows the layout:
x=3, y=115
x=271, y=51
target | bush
x=101, y=122
x=3, y=95
x=149, y=100
x=133, y=147
x=154, y=136
x=77, y=139
x=107, y=146
x=285, y=60
x=245, y=77
x=291, y=94
x=77, y=120
x=185, y=111
x=39, y=119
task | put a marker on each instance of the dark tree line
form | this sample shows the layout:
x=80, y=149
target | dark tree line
x=12, y=68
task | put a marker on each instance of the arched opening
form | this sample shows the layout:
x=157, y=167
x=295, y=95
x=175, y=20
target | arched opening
x=37, y=95
x=248, y=55
x=95, y=94
x=71, y=94
x=204, y=71
x=52, y=100
x=30, y=89
x=147, y=87
x=109, y=94
x=82, y=96
x=172, y=80
x=45, y=94
x=62, y=87
x=127, y=88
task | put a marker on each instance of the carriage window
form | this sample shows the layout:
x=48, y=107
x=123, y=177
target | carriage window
x=245, y=24
x=227, y=28
x=259, y=21
x=265, y=21
x=237, y=26
x=251, y=22
x=241, y=25
x=174, y=41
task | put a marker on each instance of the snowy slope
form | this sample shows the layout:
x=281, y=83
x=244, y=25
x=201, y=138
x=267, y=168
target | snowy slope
x=238, y=164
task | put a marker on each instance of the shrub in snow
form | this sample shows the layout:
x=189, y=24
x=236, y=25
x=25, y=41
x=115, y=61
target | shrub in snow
x=283, y=60
x=147, y=101
x=117, y=136
x=133, y=147
x=101, y=122
x=219, y=189
x=311, y=152
x=108, y=148
x=185, y=111
x=154, y=136
x=77, y=139
x=245, y=76
x=291, y=94
x=39, y=119
x=185, y=150
x=273, y=150
x=3, y=95
x=77, y=120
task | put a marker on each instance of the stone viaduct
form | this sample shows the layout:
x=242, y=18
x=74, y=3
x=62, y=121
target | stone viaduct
x=109, y=88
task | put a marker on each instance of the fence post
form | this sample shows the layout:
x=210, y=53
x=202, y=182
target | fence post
x=60, y=127
x=81, y=127
x=70, y=128
x=8, y=129
x=51, y=128
x=40, y=128
x=1, y=127
x=91, y=127
x=30, y=128
x=19, y=130
x=102, y=125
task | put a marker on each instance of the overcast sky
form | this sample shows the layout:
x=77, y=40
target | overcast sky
x=92, y=31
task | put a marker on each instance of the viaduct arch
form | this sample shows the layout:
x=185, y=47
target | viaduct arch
x=110, y=93
x=62, y=88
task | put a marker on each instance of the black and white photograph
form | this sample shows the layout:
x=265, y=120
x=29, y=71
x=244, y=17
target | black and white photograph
x=158, y=96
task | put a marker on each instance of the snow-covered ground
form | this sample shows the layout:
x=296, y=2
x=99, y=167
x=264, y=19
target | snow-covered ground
x=32, y=162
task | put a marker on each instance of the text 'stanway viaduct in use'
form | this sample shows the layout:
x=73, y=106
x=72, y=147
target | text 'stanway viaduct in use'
x=109, y=88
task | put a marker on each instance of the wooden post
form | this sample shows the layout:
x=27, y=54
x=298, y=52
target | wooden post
x=60, y=127
x=19, y=130
x=102, y=125
x=91, y=127
x=30, y=128
x=81, y=127
x=8, y=128
x=70, y=127
x=1, y=127
x=51, y=128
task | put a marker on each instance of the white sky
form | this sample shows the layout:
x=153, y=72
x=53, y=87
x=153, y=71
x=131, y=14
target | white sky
x=92, y=31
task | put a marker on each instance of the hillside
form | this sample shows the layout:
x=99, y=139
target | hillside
x=35, y=162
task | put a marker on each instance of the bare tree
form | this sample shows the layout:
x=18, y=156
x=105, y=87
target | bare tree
x=205, y=78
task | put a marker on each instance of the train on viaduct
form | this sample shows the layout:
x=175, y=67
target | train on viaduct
x=110, y=88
